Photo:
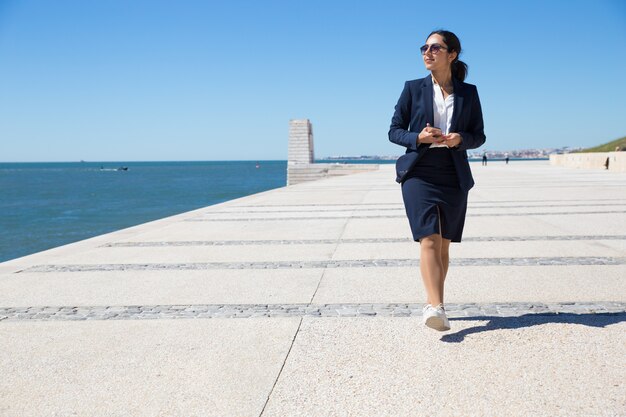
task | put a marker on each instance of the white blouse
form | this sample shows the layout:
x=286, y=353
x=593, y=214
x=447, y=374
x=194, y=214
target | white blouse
x=442, y=112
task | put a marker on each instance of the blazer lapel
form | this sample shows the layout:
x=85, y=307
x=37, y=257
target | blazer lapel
x=427, y=100
x=459, y=95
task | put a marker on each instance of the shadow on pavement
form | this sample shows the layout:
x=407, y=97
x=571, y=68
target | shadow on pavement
x=528, y=320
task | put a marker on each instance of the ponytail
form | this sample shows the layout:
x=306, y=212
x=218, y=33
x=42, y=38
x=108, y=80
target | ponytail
x=459, y=69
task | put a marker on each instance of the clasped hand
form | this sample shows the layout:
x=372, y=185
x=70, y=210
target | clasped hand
x=434, y=135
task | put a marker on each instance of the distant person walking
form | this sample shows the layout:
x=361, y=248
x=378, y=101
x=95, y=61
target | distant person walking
x=437, y=119
x=484, y=158
x=506, y=158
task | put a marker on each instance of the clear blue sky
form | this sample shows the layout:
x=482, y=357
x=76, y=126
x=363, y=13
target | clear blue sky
x=217, y=80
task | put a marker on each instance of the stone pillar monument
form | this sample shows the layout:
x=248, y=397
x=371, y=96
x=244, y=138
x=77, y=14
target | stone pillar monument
x=300, y=155
x=301, y=164
x=300, y=142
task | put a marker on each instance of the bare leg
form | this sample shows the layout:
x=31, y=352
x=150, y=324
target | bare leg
x=432, y=267
x=445, y=260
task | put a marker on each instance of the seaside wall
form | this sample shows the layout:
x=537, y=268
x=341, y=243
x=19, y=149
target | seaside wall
x=591, y=160
x=301, y=164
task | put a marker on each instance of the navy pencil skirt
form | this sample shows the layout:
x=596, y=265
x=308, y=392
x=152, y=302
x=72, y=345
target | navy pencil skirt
x=433, y=200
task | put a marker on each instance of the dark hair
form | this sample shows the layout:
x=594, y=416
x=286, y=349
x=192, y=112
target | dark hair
x=458, y=67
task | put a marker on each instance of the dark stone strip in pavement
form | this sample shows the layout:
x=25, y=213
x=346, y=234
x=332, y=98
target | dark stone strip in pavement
x=400, y=204
x=401, y=207
x=453, y=310
x=536, y=261
x=256, y=219
x=335, y=241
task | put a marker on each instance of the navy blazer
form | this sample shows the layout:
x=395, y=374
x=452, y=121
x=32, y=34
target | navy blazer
x=415, y=109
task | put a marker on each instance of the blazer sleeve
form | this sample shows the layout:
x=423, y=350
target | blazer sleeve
x=474, y=135
x=398, y=131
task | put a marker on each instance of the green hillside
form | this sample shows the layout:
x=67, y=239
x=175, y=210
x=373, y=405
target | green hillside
x=608, y=147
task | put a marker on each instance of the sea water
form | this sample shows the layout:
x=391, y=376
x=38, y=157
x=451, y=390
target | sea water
x=44, y=205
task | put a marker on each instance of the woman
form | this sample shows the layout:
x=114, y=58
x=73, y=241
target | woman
x=437, y=119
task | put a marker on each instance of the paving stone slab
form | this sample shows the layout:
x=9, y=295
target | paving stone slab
x=378, y=366
x=159, y=287
x=215, y=367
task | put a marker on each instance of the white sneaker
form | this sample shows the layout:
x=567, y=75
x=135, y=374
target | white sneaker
x=435, y=317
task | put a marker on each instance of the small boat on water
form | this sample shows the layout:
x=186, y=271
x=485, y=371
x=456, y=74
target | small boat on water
x=102, y=168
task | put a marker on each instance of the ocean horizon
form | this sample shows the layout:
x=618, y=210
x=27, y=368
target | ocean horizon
x=383, y=160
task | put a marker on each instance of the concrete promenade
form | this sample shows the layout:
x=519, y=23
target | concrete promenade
x=306, y=301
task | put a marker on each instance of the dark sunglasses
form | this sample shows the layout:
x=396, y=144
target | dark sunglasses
x=434, y=48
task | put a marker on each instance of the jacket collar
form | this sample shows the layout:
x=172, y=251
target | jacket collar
x=427, y=99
